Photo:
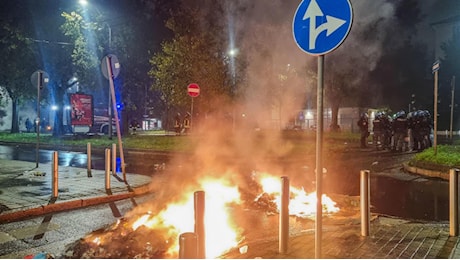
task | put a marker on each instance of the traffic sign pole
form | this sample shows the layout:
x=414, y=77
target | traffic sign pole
x=193, y=91
x=319, y=162
x=335, y=20
x=37, y=120
x=435, y=116
x=191, y=115
x=39, y=79
x=110, y=60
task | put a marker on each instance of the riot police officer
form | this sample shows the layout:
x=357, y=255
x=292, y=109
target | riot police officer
x=379, y=131
x=400, y=131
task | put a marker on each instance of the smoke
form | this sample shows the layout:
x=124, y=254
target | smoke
x=264, y=33
x=279, y=81
x=364, y=45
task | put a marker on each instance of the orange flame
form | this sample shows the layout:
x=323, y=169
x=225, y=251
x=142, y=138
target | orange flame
x=301, y=204
x=220, y=234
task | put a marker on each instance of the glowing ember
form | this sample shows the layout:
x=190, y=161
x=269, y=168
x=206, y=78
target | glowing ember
x=301, y=204
x=97, y=240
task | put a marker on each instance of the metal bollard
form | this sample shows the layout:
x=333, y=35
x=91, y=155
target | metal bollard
x=453, y=202
x=284, y=216
x=107, y=169
x=114, y=159
x=54, y=170
x=199, y=202
x=188, y=248
x=365, y=202
x=88, y=159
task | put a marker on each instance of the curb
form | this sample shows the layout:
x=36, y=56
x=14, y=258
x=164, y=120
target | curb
x=425, y=172
x=71, y=204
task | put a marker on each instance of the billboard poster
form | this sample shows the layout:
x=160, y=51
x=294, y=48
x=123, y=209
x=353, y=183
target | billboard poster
x=81, y=109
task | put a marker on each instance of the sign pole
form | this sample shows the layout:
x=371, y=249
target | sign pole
x=108, y=61
x=452, y=106
x=193, y=91
x=435, y=116
x=191, y=114
x=336, y=20
x=37, y=121
x=40, y=80
x=319, y=166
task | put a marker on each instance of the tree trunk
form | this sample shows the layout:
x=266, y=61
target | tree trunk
x=334, y=120
x=58, y=127
x=14, y=115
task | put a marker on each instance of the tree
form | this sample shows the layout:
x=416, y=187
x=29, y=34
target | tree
x=128, y=38
x=16, y=50
x=84, y=56
x=196, y=54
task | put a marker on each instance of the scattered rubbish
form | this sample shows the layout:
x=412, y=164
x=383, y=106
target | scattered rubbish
x=41, y=255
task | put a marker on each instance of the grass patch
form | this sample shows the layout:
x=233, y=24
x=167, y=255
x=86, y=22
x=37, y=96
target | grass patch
x=447, y=157
x=150, y=142
x=296, y=142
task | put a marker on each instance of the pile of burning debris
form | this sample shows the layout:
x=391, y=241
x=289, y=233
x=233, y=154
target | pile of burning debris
x=122, y=242
x=148, y=235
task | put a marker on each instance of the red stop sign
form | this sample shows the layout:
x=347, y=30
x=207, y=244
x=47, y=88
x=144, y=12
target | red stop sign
x=193, y=90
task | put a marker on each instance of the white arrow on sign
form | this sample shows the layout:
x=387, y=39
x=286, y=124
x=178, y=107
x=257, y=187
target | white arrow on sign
x=331, y=24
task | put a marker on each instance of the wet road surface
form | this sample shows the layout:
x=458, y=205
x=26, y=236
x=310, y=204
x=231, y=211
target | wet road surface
x=394, y=193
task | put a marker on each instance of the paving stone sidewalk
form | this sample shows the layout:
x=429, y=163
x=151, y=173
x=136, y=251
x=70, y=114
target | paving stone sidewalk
x=26, y=190
x=389, y=238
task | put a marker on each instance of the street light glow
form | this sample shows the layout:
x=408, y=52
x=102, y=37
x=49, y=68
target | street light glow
x=233, y=52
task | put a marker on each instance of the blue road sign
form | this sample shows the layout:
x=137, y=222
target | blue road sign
x=320, y=26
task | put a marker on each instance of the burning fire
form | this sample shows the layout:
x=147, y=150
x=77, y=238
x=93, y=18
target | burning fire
x=301, y=204
x=221, y=232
